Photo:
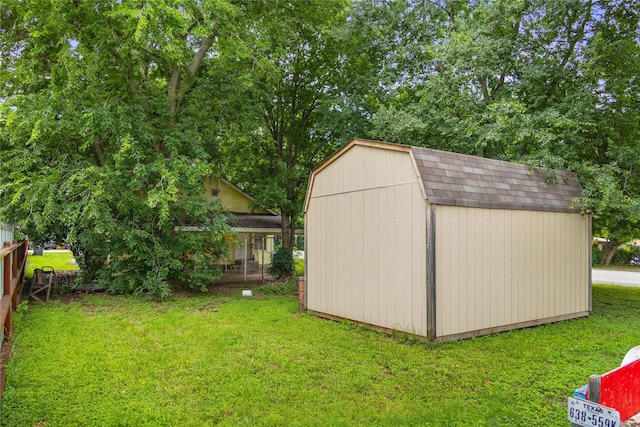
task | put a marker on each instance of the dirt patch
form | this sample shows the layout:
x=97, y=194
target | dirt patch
x=67, y=298
x=67, y=294
x=232, y=288
x=220, y=288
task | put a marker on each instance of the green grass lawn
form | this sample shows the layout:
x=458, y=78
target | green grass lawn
x=208, y=360
x=59, y=260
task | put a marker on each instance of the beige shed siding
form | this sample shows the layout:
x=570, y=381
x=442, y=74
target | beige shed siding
x=366, y=231
x=487, y=278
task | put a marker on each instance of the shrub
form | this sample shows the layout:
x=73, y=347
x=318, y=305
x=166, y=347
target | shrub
x=282, y=263
x=624, y=255
x=596, y=257
x=299, y=267
x=289, y=287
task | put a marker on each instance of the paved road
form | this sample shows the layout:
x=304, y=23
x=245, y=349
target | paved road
x=610, y=277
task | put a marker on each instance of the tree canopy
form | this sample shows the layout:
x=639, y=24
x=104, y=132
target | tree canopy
x=113, y=113
x=102, y=133
x=292, y=105
x=551, y=84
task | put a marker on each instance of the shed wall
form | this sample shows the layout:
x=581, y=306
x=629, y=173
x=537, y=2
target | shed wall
x=365, y=235
x=499, y=267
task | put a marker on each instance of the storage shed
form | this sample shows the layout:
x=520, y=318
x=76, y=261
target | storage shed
x=443, y=245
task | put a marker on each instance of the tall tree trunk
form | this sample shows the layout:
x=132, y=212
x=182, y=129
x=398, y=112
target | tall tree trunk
x=288, y=235
x=608, y=250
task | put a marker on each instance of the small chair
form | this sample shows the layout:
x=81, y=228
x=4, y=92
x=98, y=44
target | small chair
x=41, y=283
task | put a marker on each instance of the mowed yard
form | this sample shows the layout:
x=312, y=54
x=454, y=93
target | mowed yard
x=206, y=359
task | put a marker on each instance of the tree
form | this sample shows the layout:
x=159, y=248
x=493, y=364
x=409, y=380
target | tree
x=103, y=140
x=291, y=106
x=551, y=84
x=609, y=152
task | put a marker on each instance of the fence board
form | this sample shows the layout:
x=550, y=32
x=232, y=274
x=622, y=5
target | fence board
x=14, y=259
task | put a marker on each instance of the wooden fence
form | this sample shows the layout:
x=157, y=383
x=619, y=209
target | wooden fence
x=13, y=258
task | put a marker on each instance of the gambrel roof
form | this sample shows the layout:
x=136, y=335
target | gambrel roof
x=463, y=180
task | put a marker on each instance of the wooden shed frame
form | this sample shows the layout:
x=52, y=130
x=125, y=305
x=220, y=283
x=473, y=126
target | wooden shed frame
x=473, y=245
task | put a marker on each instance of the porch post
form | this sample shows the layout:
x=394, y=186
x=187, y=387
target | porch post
x=245, y=258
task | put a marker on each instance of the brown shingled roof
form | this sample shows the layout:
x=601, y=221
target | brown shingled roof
x=463, y=180
x=243, y=220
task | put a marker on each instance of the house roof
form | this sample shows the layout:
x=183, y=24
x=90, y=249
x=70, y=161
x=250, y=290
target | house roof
x=259, y=223
x=256, y=221
x=462, y=180
x=249, y=223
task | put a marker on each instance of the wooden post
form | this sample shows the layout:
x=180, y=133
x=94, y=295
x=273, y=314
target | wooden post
x=14, y=261
x=7, y=290
x=20, y=260
x=301, y=299
x=594, y=389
